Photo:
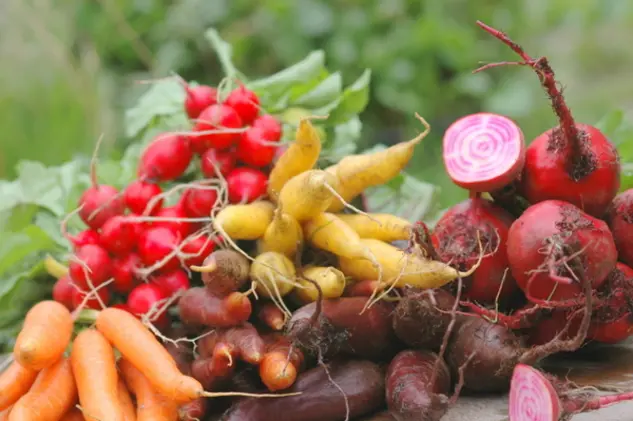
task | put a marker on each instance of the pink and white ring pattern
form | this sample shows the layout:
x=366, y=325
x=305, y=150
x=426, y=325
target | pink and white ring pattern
x=483, y=151
x=532, y=396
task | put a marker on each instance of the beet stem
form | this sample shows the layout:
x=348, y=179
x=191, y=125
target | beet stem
x=546, y=76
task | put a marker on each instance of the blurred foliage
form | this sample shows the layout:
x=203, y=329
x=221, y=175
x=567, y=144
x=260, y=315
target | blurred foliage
x=69, y=66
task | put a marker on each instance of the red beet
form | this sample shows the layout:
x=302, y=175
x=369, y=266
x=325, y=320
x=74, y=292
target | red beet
x=100, y=203
x=620, y=220
x=246, y=184
x=542, y=241
x=215, y=128
x=166, y=158
x=198, y=98
x=612, y=321
x=573, y=162
x=455, y=240
x=90, y=262
x=410, y=396
x=483, y=151
x=535, y=396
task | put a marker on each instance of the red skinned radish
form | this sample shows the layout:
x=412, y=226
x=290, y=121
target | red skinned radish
x=199, y=202
x=213, y=161
x=221, y=121
x=139, y=194
x=98, y=203
x=90, y=266
x=157, y=245
x=270, y=125
x=543, y=240
x=89, y=299
x=198, y=98
x=483, y=152
x=145, y=298
x=245, y=102
x=172, y=282
x=63, y=291
x=255, y=148
x=456, y=240
x=118, y=235
x=174, y=218
x=573, y=162
x=124, y=272
x=83, y=238
x=197, y=249
x=246, y=184
x=166, y=158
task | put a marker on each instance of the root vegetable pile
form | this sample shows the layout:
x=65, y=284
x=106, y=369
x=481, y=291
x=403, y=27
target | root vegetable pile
x=259, y=289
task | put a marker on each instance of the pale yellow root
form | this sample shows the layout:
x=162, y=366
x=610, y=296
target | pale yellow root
x=356, y=173
x=54, y=268
x=328, y=232
x=274, y=277
x=308, y=194
x=330, y=280
x=244, y=222
x=401, y=269
x=283, y=235
x=300, y=156
x=379, y=226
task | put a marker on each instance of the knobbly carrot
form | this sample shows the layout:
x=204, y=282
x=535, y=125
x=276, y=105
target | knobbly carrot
x=281, y=363
x=308, y=194
x=94, y=365
x=4, y=415
x=15, y=381
x=74, y=415
x=125, y=400
x=379, y=226
x=328, y=232
x=244, y=222
x=300, y=156
x=283, y=235
x=52, y=395
x=141, y=348
x=150, y=405
x=45, y=335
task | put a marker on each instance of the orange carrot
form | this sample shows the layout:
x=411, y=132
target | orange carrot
x=151, y=405
x=74, y=415
x=125, y=400
x=281, y=364
x=51, y=396
x=15, y=381
x=93, y=363
x=45, y=335
x=4, y=415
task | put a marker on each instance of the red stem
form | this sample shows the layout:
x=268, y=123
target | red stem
x=546, y=76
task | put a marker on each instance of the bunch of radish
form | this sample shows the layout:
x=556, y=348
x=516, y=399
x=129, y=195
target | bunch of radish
x=136, y=249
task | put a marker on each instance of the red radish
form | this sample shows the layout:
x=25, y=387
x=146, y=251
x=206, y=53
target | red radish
x=534, y=397
x=199, y=202
x=166, y=158
x=246, y=184
x=93, y=302
x=197, y=249
x=172, y=282
x=270, y=125
x=90, y=262
x=118, y=235
x=144, y=298
x=99, y=203
x=573, y=162
x=455, y=239
x=139, y=193
x=245, y=102
x=217, y=117
x=212, y=158
x=156, y=244
x=83, y=238
x=613, y=321
x=175, y=219
x=620, y=220
x=483, y=151
x=542, y=241
x=255, y=149
x=124, y=272
x=198, y=98
x=63, y=291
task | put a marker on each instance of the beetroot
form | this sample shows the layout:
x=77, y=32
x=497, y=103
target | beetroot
x=613, y=319
x=543, y=240
x=410, y=394
x=573, y=162
x=455, y=241
x=483, y=152
x=620, y=220
x=535, y=396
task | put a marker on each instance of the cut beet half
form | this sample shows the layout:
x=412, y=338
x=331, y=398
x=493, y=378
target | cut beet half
x=532, y=396
x=483, y=152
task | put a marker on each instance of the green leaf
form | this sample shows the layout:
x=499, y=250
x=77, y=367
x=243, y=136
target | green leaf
x=225, y=54
x=404, y=196
x=611, y=122
x=344, y=141
x=18, y=246
x=163, y=98
x=305, y=70
x=325, y=92
x=354, y=100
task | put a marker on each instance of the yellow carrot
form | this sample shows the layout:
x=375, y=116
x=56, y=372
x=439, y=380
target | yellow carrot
x=244, y=222
x=356, y=173
x=274, y=274
x=283, y=235
x=379, y=226
x=328, y=232
x=330, y=280
x=300, y=156
x=400, y=268
x=308, y=194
